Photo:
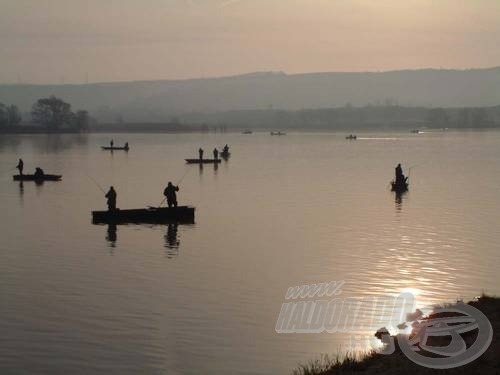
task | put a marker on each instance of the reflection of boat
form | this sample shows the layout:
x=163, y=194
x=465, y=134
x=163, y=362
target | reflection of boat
x=277, y=133
x=351, y=137
x=181, y=214
x=202, y=161
x=115, y=148
x=32, y=177
x=399, y=187
x=247, y=132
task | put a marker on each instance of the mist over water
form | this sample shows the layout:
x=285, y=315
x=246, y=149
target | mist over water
x=282, y=211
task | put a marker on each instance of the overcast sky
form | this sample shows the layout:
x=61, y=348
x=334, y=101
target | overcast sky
x=55, y=41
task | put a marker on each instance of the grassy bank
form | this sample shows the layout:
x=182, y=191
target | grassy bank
x=398, y=363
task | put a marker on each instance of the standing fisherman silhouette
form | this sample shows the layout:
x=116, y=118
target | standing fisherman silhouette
x=111, y=143
x=111, y=196
x=216, y=153
x=225, y=150
x=20, y=166
x=170, y=193
x=126, y=146
x=200, y=153
x=399, y=175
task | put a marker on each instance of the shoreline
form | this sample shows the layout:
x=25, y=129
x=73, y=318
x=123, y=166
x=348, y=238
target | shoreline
x=160, y=129
x=397, y=362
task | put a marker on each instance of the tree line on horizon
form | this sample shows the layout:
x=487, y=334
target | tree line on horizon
x=51, y=113
x=370, y=116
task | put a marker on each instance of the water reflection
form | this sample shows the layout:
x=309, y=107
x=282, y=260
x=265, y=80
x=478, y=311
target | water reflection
x=399, y=201
x=54, y=143
x=10, y=142
x=21, y=192
x=111, y=235
x=172, y=241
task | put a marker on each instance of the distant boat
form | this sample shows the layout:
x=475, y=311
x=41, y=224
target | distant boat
x=351, y=137
x=32, y=177
x=181, y=214
x=277, y=133
x=203, y=161
x=399, y=187
x=247, y=132
x=124, y=148
x=416, y=131
x=225, y=155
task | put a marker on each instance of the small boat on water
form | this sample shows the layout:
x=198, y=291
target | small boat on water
x=125, y=148
x=203, y=161
x=399, y=187
x=225, y=155
x=32, y=177
x=277, y=133
x=416, y=131
x=247, y=132
x=351, y=137
x=151, y=215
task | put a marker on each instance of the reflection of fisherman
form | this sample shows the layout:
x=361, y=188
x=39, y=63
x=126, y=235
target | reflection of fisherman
x=200, y=153
x=170, y=193
x=39, y=173
x=172, y=242
x=216, y=153
x=20, y=166
x=111, y=195
x=400, y=177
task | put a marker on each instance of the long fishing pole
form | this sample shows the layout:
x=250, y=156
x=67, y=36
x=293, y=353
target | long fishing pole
x=184, y=175
x=97, y=184
x=7, y=171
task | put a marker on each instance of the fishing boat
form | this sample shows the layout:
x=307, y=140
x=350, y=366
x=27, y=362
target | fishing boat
x=247, y=132
x=351, y=137
x=399, y=187
x=124, y=148
x=416, y=131
x=277, y=133
x=152, y=215
x=32, y=177
x=203, y=161
x=225, y=155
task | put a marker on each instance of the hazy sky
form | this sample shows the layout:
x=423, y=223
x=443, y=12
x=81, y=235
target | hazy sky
x=62, y=40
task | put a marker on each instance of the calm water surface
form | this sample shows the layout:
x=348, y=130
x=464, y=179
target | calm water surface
x=204, y=298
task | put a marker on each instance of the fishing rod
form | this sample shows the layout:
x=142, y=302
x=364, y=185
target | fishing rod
x=97, y=184
x=162, y=201
x=413, y=166
x=7, y=171
x=184, y=175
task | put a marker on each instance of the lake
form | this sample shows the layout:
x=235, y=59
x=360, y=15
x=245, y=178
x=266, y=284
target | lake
x=282, y=211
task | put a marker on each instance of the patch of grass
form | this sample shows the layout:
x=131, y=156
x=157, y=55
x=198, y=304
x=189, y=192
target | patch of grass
x=398, y=363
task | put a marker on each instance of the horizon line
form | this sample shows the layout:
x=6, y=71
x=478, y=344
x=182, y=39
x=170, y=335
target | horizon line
x=248, y=74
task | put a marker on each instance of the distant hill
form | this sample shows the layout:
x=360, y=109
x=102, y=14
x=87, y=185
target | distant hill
x=156, y=101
